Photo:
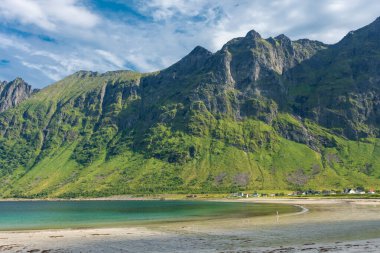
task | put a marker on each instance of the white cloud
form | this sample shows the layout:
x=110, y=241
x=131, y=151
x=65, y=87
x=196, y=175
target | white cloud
x=69, y=12
x=46, y=69
x=89, y=39
x=297, y=19
x=48, y=14
x=163, y=9
x=110, y=57
x=25, y=11
x=7, y=42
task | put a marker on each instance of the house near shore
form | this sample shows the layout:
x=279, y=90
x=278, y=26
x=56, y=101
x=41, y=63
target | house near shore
x=311, y=192
x=327, y=192
x=354, y=191
x=295, y=193
x=240, y=195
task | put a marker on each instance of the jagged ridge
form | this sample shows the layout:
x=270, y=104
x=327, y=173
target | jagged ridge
x=13, y=93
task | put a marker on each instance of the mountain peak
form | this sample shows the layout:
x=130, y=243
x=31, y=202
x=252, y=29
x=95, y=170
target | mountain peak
x=197, y=54
x=199, y=50
x=283, y=38
x=367, y=33
x=192, y=61
x=375, y=25
x=85, y=73
x=253, y=35
x=18, y=80
x=13, y=93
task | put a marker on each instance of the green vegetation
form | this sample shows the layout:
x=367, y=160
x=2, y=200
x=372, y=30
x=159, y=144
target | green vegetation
x=91, y=144
x=205, y=125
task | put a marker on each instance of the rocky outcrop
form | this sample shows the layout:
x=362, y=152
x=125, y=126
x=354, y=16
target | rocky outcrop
x=246, y=68
x=13, y=93
x=339, y=87
x=191, y=63
x=336, y=86
x=256, y=64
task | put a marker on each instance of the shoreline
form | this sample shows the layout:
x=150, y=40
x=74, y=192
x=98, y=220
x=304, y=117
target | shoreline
x=212, y=197
x=324, y=225
x=307, y=201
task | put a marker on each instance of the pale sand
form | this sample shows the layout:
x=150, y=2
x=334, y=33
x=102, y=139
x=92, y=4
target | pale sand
x=328, y=226
x=310, y=201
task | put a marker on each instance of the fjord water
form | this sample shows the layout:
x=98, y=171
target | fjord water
x=20, y=215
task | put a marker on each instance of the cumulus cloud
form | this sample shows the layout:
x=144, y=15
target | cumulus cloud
x=83, y=34
x=325, y=20
x=48, y=14
x=163, y=10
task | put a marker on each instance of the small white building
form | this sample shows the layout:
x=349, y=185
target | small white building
x=352, y=191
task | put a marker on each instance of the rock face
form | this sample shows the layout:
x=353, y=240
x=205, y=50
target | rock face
x=245, y=68
x=257, y=114
x=13, y=93
x=339, y=88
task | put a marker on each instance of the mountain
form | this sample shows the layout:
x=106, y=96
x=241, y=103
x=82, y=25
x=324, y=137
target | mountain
x=257, y=114
x=13, y=93
x=340, y=87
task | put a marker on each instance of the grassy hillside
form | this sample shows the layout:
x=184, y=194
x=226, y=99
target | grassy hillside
x=225, y=156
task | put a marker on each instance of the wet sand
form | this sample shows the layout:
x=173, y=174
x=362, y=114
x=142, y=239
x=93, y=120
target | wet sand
x=324, y=225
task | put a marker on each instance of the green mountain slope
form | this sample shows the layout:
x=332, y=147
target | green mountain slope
x=258, y=114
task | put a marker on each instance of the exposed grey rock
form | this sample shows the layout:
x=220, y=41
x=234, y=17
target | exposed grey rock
x=13, y=93
x=339, y=87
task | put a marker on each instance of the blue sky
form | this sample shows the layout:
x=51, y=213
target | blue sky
x=43, y=41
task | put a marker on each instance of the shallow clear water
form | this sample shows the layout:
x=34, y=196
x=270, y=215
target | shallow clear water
x=83, y=214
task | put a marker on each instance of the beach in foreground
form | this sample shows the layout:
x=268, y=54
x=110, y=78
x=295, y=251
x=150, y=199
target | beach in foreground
x=324, y=225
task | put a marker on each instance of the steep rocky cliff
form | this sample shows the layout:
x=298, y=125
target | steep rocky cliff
x=13, y=93
x=339, y=87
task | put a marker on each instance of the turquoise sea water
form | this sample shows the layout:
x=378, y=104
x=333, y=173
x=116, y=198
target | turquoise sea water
x=19, y=215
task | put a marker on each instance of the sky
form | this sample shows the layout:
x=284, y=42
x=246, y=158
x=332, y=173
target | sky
x=42, y=41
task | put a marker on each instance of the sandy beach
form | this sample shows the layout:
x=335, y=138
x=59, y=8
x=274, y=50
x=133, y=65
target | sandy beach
x=323, y=225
